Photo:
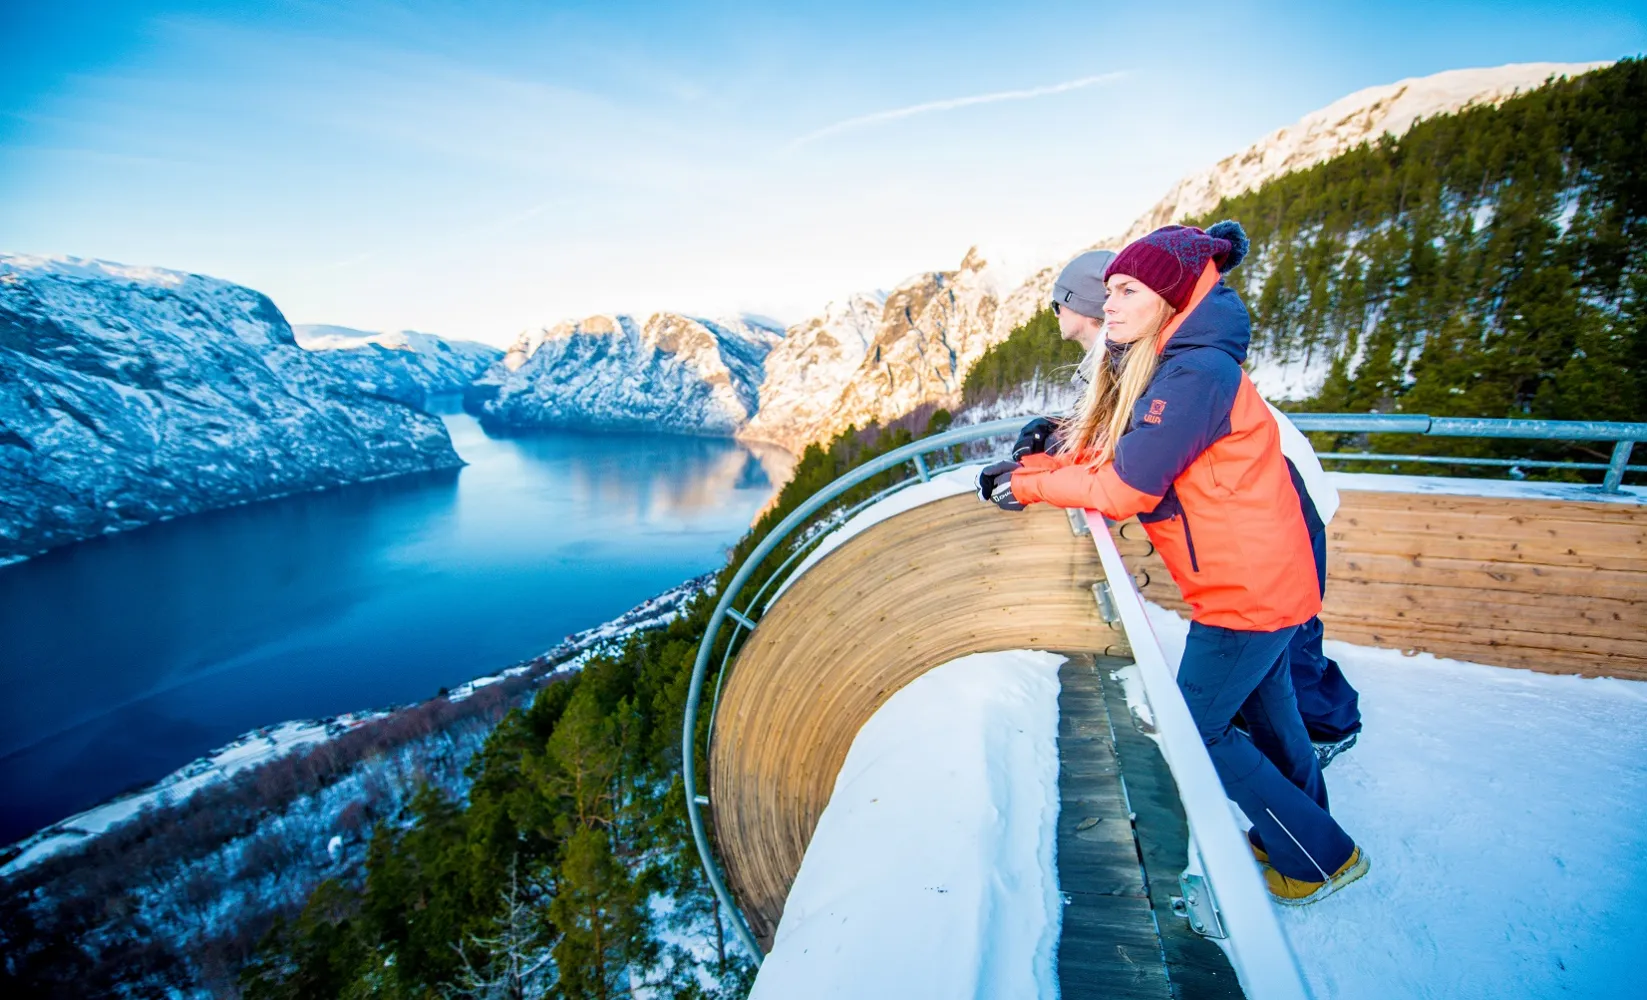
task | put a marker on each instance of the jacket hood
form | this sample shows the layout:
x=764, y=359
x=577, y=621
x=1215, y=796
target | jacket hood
x=1220, y=320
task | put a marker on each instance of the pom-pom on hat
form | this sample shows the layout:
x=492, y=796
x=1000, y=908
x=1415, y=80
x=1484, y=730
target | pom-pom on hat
x=1171, y=259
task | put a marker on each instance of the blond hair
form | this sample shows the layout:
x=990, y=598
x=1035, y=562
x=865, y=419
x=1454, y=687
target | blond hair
x=1106, y=406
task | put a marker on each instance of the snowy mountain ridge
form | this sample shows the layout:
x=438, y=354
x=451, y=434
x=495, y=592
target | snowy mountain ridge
x=130, y=395
x=938, y=323
x=405, y=366
x=663, y=372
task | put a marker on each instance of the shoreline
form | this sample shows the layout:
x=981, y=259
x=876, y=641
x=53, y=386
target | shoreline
x=266, y=744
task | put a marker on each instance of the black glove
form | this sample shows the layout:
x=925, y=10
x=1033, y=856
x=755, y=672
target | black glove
x=1035, y=437
x=995, y=485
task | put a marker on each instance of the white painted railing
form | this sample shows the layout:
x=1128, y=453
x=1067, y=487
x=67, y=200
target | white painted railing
x=1257, y=948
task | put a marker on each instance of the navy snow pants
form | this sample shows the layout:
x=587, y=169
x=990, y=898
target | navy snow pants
x=1329, y=705
x=1273, y=776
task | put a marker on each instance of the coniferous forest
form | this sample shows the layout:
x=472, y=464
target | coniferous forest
x=1489, y=263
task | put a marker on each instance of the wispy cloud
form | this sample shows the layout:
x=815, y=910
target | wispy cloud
x=953, y=103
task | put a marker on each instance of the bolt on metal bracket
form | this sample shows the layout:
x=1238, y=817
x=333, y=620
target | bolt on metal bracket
x=1198, y=906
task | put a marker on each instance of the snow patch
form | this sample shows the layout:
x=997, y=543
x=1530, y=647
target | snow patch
x=931, y=872
x=1501, y=810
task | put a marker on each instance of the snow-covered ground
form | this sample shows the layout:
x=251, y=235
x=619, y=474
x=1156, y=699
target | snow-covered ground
x=247, y=750
x=1502, y=811
x=931, y=871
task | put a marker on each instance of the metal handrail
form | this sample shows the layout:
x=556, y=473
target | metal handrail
x=1624, y=434
x=797, y=517
x=1264, y=961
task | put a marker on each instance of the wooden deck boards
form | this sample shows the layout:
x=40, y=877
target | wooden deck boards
x=1109, y=947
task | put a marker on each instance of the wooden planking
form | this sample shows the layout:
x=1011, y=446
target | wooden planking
x=1108, y=945
x=1555, y=586
x=1197, y=967
x=946, y=579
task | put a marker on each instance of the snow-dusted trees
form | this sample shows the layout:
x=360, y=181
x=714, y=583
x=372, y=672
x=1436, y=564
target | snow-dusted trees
x=513, y=961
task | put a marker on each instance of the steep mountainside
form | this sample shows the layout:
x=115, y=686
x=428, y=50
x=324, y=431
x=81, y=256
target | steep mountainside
x=921, y=357
x=407, y=366
x=129, y=395
x=806, y=373
x=1488, y=263
x=667, y=372
x=929, y=330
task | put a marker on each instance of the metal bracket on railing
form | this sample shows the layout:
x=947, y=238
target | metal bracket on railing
x=1615, y=468
x=1198, y=906
x=1106, y=601
x=1077, y=521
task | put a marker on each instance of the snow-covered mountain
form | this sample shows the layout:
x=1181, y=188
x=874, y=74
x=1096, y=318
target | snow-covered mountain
x=130, y=395
x=916, y=348
x=1340, y=127
x=806, y=373
x=665, y=372
x=935, y=325
x=407, y=366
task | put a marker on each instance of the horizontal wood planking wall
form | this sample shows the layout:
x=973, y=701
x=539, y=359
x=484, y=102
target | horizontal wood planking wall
x=1555, y=586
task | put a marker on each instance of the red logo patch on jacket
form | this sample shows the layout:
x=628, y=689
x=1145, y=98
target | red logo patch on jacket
x=1156, y=408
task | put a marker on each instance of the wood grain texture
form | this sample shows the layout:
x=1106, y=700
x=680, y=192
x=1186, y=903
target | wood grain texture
x=943, y=580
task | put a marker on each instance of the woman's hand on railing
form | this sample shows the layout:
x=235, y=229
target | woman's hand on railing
x=995, y=485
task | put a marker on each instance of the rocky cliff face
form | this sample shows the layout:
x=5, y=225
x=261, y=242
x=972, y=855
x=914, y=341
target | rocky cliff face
x=129, y=395
x=407, y=367
x=807, y=372
x=666, y=372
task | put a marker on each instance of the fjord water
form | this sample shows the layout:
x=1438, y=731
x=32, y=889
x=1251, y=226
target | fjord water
x=126, y=657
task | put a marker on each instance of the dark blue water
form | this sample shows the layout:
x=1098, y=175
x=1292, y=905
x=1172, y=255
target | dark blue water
x=123, y=658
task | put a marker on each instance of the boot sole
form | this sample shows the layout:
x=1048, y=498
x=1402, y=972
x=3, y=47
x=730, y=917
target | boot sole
x=1337, y=882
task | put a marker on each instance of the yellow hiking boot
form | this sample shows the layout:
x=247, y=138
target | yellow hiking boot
x=1297, y=892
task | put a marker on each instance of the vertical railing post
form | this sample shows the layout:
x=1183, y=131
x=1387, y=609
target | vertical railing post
x=920, y=469
x=1615, y=468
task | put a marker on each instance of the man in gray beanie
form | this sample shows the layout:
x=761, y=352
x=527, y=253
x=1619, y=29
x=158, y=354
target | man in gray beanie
x=1078, y=297
x=1078, y=300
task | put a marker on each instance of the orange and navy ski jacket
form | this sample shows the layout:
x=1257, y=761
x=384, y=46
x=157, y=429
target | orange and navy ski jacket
x=1201, y=466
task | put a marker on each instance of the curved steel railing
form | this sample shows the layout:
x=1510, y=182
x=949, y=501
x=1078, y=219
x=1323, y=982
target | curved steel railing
x=1624, y=434
x=914, y=452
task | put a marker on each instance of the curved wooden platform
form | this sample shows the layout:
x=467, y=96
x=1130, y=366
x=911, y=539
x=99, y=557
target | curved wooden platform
x=946, y=579
x=1548, y=585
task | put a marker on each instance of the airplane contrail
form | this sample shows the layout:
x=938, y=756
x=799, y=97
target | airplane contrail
x=953, y=103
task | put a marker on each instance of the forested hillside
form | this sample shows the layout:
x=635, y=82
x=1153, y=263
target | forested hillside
x=569, y=871
x=1489, y=263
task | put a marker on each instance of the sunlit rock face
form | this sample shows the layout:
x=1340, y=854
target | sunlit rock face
x=130, y=395
x=665, y=372
x=851, y=367
x=405, y=366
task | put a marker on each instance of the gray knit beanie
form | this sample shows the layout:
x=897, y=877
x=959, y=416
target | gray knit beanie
x=1081, y=285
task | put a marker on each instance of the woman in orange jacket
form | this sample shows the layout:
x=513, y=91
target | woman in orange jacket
x=1171, y=429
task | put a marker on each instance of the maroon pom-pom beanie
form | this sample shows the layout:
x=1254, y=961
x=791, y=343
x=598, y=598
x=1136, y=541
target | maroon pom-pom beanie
x=1171, y=259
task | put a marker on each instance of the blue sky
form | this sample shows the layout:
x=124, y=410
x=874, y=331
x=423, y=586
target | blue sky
x=474, y=169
